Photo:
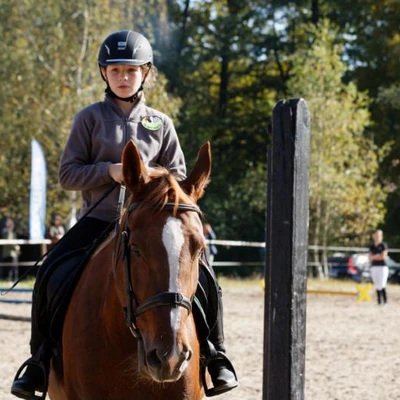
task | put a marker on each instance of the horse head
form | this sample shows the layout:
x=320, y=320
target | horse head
x=164, y=241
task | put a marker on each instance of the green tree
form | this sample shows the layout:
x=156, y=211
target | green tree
x=368, y=30
x=346, y=198
x=389, y=100
x=48, y=71
x=216, y=61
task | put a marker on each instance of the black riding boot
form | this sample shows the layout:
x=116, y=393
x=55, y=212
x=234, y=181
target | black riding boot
x=378, y=294
x=384, y=297
x=221, y=370
x=219, y=367
x=34, y=379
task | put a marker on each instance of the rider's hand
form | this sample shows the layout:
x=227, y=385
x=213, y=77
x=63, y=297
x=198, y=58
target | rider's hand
x=115, y=171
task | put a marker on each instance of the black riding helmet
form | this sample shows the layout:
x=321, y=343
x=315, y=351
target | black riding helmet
x=125, y=47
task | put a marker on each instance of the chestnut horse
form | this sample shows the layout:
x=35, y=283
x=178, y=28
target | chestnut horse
x=129, y=333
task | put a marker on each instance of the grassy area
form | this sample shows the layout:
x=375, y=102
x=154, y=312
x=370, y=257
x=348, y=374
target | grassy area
x=312, y=283
x=223, y=281
x=254, y=281
x=334, y=284
x=331, y=283
x=339, y=284
x=227, y=282
x=26, y=283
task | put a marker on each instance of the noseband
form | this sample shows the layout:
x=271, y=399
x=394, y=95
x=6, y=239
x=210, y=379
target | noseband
x=174, y=299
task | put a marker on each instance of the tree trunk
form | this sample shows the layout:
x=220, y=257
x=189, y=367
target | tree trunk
x=314, y=11
x=317, y=230
x=325, y=241
x=224, y=82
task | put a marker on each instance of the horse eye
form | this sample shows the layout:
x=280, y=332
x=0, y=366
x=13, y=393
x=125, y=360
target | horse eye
x=135, y=251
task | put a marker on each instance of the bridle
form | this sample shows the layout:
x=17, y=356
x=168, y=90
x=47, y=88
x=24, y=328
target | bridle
x=133, y=308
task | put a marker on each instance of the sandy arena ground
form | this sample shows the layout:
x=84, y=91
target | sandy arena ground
x=352, y=348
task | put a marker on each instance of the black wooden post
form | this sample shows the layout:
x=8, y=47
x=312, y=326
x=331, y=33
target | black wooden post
x=286, y=252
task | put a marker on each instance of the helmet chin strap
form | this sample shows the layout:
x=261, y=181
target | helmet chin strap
x=129, y=99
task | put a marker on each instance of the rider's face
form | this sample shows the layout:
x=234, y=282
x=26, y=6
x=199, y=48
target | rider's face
x=124, y=80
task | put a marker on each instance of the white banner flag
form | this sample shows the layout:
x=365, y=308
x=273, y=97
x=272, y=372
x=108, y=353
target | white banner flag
x=37, y=211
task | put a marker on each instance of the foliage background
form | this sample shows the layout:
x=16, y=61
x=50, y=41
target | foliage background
x=222, y=67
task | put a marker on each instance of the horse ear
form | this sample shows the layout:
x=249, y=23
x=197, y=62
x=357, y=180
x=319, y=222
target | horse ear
x=199, y=176
x=133, y=170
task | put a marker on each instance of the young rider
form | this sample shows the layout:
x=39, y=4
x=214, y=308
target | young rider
x=91, y=163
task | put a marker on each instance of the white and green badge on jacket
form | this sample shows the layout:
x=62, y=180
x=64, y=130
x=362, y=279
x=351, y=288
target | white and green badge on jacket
x=152, y=123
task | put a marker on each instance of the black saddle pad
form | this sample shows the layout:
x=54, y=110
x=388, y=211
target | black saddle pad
x=56, y=289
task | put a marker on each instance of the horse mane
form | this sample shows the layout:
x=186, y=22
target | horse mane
x=162, y=188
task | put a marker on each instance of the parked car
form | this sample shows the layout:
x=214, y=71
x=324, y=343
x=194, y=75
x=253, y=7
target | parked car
x=353, y=266
x=394, y=275
x=394, y=272
x=357, y=267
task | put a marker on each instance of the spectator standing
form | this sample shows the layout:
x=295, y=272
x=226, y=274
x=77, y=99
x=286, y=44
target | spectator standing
x=56, y=230
x=209, y=234
x=9, y=252
x=378, y=252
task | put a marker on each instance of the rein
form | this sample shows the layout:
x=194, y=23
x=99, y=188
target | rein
x=133, y=309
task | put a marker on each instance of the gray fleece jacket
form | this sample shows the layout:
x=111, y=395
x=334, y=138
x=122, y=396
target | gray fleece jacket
x=98, y=136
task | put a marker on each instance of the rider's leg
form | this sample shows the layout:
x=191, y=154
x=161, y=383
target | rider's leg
x=222, y=373
x=34, y=377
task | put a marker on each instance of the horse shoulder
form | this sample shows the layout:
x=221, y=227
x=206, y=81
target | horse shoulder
x=56, y=387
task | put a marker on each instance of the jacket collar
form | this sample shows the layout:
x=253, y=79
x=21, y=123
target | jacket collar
x=136, y=105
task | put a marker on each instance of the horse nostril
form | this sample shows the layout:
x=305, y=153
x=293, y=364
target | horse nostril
x=153, y=359
x=158, y=359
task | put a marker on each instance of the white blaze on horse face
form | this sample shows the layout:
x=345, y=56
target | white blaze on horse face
x=173, y=239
